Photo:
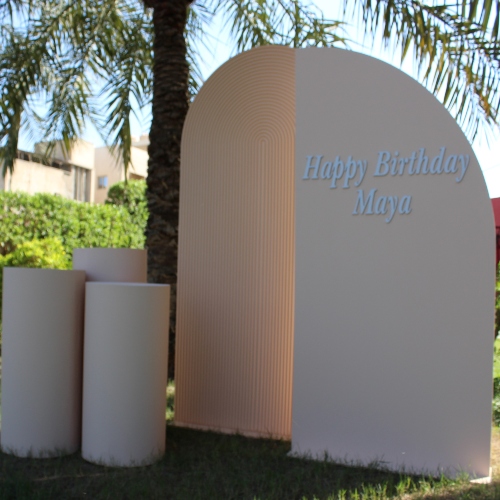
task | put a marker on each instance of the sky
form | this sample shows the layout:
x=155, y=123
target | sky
x=486, y=147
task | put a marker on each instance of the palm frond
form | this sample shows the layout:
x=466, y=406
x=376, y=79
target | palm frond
x=283, y=22
x=70, y=52
x=199, y=19
x=65, y=50
x=17, y=81
x=128, y=80
x=455, y=46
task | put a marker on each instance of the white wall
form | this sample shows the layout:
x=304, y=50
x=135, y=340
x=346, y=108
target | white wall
x=109, y=165
x=32, y=178
x=106, y=166
x=81, y=154
x=141, y=142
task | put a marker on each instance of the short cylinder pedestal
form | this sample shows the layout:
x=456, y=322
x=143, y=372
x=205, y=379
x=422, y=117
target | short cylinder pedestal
x=112, y=264
x=42, y=361
x=125, y=373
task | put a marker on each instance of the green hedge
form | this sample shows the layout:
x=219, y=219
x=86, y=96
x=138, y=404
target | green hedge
x=132, y=196
x=496, y=400
x=25, y=217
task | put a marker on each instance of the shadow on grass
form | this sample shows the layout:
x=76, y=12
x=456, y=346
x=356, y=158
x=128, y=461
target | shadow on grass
x=205, y=465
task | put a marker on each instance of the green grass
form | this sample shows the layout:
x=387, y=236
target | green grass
x=205, y=465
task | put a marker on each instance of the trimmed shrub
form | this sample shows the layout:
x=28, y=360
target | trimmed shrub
x=42, y=230
x=132, y=196
x=25, y=217
x=496, y=401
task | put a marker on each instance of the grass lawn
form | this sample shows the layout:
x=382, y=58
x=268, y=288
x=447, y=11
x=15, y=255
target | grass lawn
x=205, y=465
x=211, y=466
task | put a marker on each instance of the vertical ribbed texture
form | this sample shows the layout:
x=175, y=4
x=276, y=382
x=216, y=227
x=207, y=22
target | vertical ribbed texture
x=234, y=346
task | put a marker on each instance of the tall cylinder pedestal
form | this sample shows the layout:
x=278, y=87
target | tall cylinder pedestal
x=125, y=373
x=41, y=358
x=112, y=264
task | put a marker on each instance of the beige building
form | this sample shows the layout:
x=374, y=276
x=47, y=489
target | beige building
x=69, y=175
x=109, y=167
x=85, y=174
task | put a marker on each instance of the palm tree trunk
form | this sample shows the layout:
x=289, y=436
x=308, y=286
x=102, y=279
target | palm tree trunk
x=170, y=105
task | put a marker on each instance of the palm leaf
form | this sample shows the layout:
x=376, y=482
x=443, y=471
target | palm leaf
x=455, y=46
x=283, y=22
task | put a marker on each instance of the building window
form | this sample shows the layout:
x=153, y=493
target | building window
x=102, y=182
x=81, y=186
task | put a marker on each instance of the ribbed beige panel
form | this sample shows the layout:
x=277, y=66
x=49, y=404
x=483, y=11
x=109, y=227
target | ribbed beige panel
x=234, y=345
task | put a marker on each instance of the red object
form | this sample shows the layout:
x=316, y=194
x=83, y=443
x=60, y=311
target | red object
x=496, y=212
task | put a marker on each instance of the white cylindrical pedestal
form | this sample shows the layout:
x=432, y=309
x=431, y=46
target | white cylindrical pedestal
x=125, y=373
x=112, y=264
x=42, y=361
